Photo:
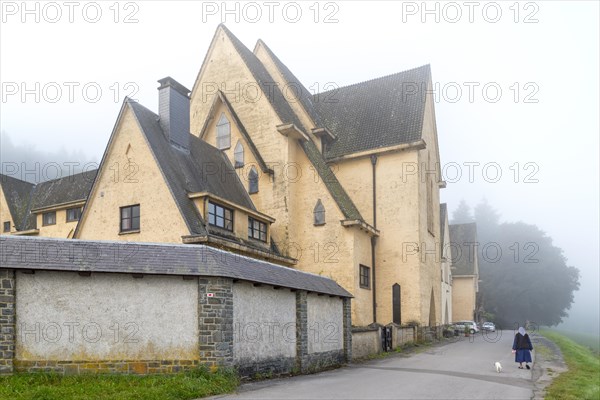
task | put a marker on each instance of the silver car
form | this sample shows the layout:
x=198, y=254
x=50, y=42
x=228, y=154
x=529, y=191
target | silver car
x=471, y=325
x=489, y=326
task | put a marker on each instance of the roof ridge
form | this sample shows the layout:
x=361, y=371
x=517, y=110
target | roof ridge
x=375, y=79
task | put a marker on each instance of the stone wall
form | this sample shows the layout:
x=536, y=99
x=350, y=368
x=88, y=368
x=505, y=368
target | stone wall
x=63, y=316
x=402, y=335
x=366, y=341
x=215, y=320
x=78, y=323
x=264, y=329
x=7, y=320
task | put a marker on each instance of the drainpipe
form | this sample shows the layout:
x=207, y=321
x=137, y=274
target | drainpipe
x=373, y=238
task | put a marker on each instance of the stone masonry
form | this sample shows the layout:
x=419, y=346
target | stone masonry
x=215, y=321
x=7, y=320
x=301, y=330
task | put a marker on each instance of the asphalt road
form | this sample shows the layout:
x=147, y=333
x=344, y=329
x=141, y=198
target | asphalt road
x=460, y=370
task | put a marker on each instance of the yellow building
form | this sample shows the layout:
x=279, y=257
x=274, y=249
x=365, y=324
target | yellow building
x=51, y=208
x=465, y=271
x=446, y=266
x=343, y=184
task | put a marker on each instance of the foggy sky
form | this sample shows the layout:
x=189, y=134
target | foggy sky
x=543, y=125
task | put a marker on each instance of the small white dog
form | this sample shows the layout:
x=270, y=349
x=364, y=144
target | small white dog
x=498, y=366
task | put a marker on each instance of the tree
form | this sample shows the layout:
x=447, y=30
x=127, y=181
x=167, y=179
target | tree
x=524, y=277
x=462, y=214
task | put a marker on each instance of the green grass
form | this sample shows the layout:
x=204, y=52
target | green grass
x=582, y=380
x=181, y=386
x=584, y=339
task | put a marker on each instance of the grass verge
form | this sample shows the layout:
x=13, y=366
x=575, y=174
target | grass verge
x=182, y=386
x=582, y=380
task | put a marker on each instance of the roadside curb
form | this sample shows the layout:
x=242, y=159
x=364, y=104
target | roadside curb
x=549, y=363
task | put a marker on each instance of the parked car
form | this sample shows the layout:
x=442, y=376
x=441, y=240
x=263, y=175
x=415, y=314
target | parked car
x=489, y=326
x=471, y=325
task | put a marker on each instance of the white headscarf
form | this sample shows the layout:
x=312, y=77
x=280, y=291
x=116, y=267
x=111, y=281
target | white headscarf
x=522, y=330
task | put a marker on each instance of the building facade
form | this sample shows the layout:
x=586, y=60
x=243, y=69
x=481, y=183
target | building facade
x=465, y=273
x=343, y=184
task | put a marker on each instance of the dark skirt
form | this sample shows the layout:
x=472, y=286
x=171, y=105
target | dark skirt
x=523, y=356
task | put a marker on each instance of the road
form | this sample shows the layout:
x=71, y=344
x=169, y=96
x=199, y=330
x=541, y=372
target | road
x=459, y=370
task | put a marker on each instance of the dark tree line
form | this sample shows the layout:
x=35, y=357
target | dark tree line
x=524, y=277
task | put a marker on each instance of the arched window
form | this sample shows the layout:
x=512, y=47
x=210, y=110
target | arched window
x=223, y=133
x=319, y=213
x=238, y=155
x=253, y=181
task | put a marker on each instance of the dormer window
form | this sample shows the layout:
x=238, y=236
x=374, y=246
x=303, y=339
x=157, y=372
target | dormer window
x=253, y=180
x=257, y=229
x=238, y=155
x=220, y=216
x=319, y=213
x=223, y=133
x=49, y=218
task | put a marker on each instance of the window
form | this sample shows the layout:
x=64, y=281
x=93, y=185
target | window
x=253, y=181
x=223, y=133
x=365, y=277
x=7, y=226
x=49, y=218
x=257, y=229
x=130, y=218
x=220, y=216
x=319, y=213
x=73, y=214
x=238, y=155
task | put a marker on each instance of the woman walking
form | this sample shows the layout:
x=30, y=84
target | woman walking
x=522, y=347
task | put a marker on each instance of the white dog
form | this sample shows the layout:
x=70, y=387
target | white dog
x=498, y=366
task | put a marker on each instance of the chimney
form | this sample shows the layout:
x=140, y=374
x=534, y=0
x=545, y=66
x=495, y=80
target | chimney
x=174, y=111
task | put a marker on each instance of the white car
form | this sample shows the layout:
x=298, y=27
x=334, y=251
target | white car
x=471, y=325
x=489, y=326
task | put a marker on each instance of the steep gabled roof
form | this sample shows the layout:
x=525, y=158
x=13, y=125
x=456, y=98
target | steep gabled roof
x=287, y=115
x=334, y=186
x=65, y=190
x=221, y=97
x=265, y=80
x=18, y=197
x=304, y=96
x=24, y=197
x=375, y=114
x=202, y=168
x=463, y=237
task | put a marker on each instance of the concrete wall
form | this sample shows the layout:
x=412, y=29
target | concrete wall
x=66, y=317
x=325, y=324
x=264, y=328
x=402, y=335
x=366, y=341
x=118, y=323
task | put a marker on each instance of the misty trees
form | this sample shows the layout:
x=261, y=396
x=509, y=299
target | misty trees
x=462, y=214
x=523, y=275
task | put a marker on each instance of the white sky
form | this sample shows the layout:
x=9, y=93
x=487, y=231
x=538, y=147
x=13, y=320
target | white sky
x=553, y=60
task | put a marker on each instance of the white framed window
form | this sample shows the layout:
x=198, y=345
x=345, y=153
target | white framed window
x=223, y=133
x=238, y=155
